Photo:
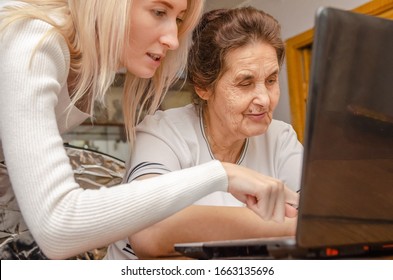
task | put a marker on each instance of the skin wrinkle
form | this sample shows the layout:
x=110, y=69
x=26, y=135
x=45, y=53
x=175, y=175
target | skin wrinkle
x=250, y=83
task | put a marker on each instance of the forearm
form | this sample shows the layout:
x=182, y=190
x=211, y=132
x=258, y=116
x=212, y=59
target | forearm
x=205, y=223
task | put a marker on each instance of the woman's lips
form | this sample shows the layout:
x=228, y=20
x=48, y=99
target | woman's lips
x=257, y=117
x=155, y=57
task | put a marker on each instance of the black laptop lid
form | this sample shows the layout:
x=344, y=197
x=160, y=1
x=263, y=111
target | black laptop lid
x=347, y=184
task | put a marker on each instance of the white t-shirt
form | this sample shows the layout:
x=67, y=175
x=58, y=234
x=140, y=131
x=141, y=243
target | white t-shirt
x=175, y=139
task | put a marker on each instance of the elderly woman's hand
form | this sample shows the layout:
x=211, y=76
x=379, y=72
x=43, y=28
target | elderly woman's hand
x=266, y=196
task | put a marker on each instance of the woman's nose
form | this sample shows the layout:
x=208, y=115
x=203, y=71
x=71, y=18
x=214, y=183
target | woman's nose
x=169, y=38
x=262, y=97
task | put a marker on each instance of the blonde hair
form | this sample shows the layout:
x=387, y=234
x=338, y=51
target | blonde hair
x=96, y=44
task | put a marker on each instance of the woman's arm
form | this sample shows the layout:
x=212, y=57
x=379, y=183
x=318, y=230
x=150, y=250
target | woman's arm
x=205, y=223
x=63, y=218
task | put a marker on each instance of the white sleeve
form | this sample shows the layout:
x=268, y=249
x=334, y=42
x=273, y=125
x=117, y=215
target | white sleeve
x=64, y=218
x=151, y=156
x=159, y=148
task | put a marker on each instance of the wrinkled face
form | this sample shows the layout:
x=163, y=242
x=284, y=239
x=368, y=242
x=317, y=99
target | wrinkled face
x=154, y=31
x=245, y=97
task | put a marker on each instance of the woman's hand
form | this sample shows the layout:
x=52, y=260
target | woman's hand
x=266, y=196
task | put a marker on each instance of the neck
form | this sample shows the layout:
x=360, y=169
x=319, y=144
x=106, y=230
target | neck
x=220, y=144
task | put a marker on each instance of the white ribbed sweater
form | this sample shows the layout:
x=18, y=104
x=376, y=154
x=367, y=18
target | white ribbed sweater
x=63, y=218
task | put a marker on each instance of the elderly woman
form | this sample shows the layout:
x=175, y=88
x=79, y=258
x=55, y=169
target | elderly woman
x=233, y=68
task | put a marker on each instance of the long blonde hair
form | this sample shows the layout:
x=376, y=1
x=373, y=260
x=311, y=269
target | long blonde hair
x=96, y=42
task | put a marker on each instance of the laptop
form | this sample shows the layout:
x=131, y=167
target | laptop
x=346, y=198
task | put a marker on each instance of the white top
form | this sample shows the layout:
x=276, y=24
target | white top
x=64, y=218
x=175, y=139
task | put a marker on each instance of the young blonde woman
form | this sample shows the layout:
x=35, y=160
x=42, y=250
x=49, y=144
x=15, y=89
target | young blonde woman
x=57, y=58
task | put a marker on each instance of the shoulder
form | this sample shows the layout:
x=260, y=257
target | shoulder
x=186, y=113
x=33, y=36
x=166, y=137
x=278, y=128
x=278, y=135
x=180, y=119
x=282, y=136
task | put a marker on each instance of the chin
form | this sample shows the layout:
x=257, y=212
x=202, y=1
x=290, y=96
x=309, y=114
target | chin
x=258, y=132
x=148, y=76
x=144, y=73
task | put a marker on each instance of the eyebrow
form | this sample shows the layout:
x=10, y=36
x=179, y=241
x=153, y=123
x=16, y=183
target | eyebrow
x=169, y=5
x=250, y=76
x=245, y=76
x=275, y=72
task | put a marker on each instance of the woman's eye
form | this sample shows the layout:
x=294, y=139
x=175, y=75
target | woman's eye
x=245, y=84
x=271, y=81
x=179, y=21
x=159, y=13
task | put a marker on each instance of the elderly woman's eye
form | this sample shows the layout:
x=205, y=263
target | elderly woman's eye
x=245, y=83
x=271, y=80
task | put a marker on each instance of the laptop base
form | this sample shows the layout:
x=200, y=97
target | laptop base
x=279, y=248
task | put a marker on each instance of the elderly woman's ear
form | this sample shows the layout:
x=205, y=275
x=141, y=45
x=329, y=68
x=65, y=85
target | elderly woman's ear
x=204, y=94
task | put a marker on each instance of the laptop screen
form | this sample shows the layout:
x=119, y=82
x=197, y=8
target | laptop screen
x=347, y=184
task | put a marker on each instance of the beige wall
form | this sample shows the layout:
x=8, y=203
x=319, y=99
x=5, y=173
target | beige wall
x=296, y=16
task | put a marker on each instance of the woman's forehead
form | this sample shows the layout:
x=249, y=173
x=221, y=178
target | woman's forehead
x=251, y=58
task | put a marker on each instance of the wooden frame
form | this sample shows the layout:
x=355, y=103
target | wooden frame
x=298, y=55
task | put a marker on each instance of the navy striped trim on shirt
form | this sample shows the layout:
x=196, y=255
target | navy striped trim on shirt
x=129, y=250
x=148, y=166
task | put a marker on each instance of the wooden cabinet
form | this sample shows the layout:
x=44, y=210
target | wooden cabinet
x=298, y=56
